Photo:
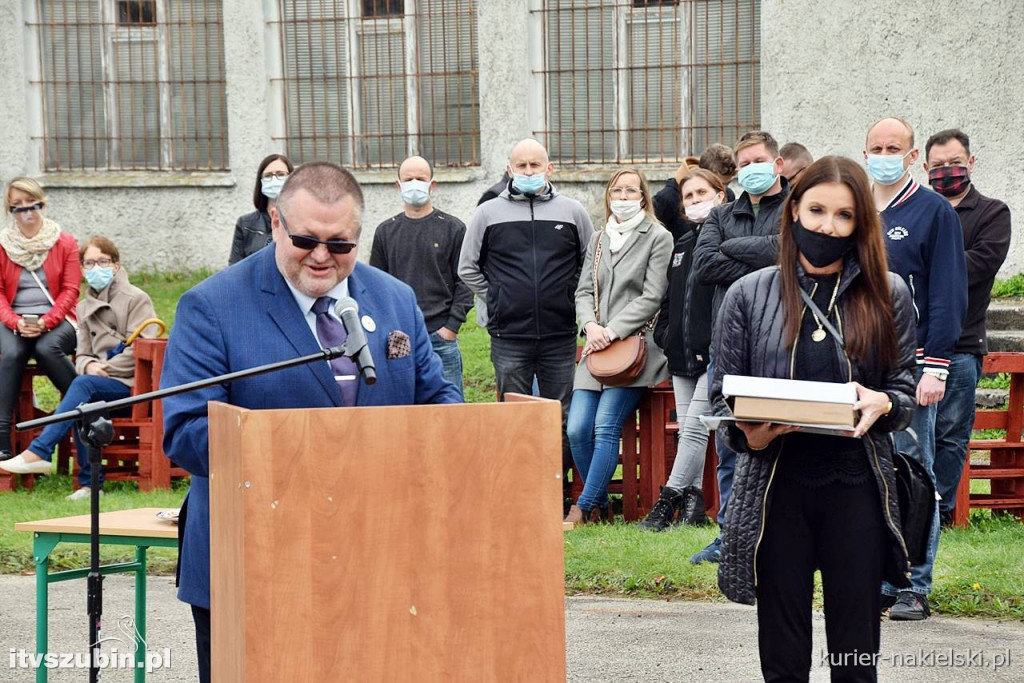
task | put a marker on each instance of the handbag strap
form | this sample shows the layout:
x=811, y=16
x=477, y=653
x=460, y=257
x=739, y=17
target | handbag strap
x=822, y=318
x=49, y=297
x=648, y=326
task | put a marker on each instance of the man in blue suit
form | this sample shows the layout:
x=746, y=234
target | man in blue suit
x=275, y=305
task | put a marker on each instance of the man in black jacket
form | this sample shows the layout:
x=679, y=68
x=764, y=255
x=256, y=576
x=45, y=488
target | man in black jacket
x=739, y=238
x=522, y=254
x=986, y=226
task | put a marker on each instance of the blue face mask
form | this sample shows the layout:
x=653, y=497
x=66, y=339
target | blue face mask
x=757, y=178
x=529, y=184
x=271, y=186
x=415, y=192
x=886, y=169
x=99, y=277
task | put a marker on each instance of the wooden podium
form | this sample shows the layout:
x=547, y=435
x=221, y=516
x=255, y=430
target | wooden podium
x=406, y=543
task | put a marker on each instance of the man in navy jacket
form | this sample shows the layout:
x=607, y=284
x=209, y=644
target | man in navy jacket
x=269, y=308
x=925, y=246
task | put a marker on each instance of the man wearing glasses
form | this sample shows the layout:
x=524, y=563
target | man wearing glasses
x=276, y=305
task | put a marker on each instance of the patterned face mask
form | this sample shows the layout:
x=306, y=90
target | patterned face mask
x=949, y=181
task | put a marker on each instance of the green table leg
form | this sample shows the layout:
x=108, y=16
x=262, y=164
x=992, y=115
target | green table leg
x=42, y=547
x=140, y=613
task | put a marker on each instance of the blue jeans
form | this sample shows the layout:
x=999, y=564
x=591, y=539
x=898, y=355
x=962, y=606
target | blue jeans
x=84, y=389
x=726, y=461
x=451, y=358
x=595, y=428
x=953, y=425
x=918, y=440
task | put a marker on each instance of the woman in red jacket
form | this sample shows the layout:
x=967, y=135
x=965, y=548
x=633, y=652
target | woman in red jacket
x=39, y=280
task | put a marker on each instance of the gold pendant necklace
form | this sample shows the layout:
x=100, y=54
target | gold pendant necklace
x=819, y=334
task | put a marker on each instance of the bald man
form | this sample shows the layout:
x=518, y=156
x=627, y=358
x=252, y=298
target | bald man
x=421, y=247
x=522, y=255
x=925, y=246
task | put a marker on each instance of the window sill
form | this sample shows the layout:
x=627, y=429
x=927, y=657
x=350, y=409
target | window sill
x=96, y=179
x=573, y=173
x=387, y=176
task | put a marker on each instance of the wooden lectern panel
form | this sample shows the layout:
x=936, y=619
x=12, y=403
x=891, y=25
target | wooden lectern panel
x=410, y=543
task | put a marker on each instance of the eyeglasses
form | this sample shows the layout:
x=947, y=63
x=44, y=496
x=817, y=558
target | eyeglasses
x=101, y=262
x=275, y=174
x=308, y=243
x=617, y=192
x=31, y=207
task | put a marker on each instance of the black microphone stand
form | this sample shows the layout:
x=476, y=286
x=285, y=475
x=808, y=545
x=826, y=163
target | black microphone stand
x=97, y=431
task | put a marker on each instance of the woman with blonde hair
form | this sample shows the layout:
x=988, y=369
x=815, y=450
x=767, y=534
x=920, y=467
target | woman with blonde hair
x=620, y=291
x=39, y=280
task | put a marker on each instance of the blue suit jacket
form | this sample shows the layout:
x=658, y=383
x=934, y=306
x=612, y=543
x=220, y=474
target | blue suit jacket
x=246, y=316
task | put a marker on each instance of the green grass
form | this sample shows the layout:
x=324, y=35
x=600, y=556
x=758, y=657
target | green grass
x=1010, y=287
x=979, y=571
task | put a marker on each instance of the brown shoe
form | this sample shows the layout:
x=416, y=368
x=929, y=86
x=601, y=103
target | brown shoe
x=575, y=516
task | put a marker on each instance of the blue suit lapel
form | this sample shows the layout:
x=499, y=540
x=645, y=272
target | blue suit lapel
x=358, y=291
x=280, y=306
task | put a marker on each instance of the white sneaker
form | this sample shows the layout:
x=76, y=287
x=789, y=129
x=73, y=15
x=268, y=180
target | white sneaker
x=17, y=465
x=82, y=494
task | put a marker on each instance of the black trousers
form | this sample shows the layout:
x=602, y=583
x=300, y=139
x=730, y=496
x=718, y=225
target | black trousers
x=201, y=617
x=51, y=351
x=839, y=529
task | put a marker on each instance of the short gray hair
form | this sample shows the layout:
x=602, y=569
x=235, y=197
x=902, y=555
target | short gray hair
x=328, y=183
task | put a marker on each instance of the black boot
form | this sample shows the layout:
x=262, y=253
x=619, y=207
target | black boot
x=664, y=510
x=692, y=511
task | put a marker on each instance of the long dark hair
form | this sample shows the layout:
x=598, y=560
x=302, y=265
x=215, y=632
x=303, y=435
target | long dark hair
x=867, y=302
x=258, y=199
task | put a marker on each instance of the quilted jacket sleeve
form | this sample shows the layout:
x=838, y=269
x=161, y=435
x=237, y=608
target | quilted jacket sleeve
x=898, y=382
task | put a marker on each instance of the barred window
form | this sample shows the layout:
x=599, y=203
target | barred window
x=647, y=80
x=132, y=84
x=369, y=82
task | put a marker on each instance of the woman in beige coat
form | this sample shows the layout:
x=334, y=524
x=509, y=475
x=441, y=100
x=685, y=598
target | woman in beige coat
x=631, y=255
x=112, y=310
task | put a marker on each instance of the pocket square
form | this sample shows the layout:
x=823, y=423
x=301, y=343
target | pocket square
x=398, y=345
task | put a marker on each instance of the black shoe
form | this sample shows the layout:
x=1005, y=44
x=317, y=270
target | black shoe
x=692, y=511
x=909, y=606
x=887, y=602
x=6, y=455
x=945, y=519
x=664, y=510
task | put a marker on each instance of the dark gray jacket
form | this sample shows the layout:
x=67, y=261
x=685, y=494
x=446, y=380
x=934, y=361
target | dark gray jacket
x=748, y=340
x=252, y=233
x=735, y=242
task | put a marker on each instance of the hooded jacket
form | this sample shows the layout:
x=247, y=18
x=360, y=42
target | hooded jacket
x=683, y=330
x=748, y=340
x=522, y=255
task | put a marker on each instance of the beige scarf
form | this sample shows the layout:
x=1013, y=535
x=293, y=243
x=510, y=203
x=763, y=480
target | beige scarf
x=618, y=233
x=29, y=252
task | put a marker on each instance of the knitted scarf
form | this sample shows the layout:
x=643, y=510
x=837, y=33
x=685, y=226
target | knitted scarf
x=29, y=252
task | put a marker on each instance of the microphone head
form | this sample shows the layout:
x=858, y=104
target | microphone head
x=344, y=305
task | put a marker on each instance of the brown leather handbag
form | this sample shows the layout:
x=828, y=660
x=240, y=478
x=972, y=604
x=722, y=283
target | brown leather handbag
x=621, y=362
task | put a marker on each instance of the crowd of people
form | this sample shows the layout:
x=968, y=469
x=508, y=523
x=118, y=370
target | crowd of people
x=753, y=260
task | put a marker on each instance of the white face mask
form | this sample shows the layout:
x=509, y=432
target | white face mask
x=271, y=186
x=415, y=192
x=624, y=209
x=699, y=212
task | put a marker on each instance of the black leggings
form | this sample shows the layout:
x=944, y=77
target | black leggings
x=51, y=351
x=839, y=529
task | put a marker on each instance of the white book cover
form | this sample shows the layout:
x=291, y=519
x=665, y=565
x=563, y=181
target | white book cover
x=791, y=389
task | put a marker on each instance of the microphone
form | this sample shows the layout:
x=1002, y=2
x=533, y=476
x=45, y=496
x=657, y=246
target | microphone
x=356, y=347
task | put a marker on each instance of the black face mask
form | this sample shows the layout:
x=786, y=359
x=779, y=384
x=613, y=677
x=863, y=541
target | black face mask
x=821, y=249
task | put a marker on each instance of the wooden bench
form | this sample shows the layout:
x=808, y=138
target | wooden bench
x=1005, y=470
x=137, y=454
x=26, y=409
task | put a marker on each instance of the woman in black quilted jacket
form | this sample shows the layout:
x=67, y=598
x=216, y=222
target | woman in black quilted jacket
x=803, y=501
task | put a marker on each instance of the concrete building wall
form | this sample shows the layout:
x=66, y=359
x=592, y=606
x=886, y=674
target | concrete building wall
x=830, y=69
x=917, y=61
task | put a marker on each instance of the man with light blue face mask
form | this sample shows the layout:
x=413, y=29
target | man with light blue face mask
x=925, y=246
x=421, y=247
x=738, y=238
x=523, y=253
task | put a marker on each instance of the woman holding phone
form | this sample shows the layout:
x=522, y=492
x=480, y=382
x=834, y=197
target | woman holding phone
x=39, y=280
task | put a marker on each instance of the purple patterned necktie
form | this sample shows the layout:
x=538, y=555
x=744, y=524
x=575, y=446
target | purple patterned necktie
x=330, y=332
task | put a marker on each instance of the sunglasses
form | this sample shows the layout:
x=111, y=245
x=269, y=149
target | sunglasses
x=31, y=207
x=307, y=243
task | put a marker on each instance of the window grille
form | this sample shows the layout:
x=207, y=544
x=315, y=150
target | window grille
x=132, y=85
x=369, y=82
x=647, y=81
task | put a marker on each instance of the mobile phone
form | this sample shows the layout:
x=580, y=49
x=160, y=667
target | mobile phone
x=30, y=319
